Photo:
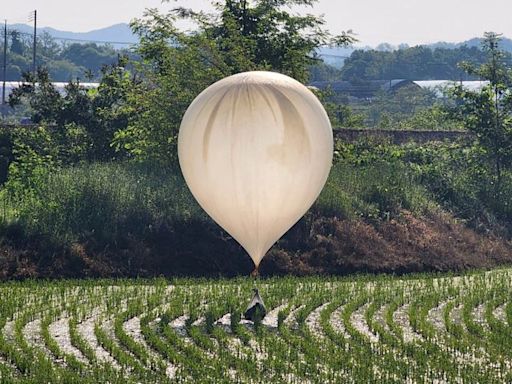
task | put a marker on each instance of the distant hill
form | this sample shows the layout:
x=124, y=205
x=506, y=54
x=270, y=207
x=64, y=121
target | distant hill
x=506, y=44
x=118, y=33
x=336, y=56
x=122, y=33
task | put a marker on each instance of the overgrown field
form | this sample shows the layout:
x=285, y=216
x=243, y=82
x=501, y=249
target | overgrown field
x=385, y=208
x=425, y=328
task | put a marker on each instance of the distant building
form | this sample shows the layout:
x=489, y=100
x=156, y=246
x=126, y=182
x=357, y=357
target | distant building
x=439, y=86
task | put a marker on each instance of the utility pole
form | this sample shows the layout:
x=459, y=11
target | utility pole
x=35, y=44
x=5, y=63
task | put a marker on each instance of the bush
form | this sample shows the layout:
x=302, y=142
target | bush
x=379, y=190
x=6, y=155
x=385, y=178
x=458, y=176
x=126, y=219
x=109, y=201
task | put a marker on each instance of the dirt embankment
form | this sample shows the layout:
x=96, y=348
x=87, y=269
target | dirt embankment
x=407, y=244
x=323, y=245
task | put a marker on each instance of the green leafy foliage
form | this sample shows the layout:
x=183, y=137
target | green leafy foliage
x=239, y=36
x=34, y=153
x=82, y=121
x=146, y=208
x=6, y=154
x=415, y=63
x=488, y=113
x=377, y=191
x=341, y=115
x=410, y=108
x=454, y=175
x=64, y=62
x=108, y=201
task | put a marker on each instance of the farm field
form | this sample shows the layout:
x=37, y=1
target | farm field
x=416, y=329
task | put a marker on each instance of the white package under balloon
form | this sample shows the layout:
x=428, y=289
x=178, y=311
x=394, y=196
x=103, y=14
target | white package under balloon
x=255, y=150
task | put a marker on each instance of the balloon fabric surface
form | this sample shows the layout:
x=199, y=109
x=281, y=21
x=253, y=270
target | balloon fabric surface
x=255, y=150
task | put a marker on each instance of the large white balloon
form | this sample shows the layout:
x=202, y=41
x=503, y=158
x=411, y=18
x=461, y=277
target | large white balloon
x=255, y=150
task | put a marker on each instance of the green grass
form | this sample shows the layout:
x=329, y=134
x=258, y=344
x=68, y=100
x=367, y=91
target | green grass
x=374, y=191
x=111, y=200
x=370, y=179
x=107, y=200
x=128, y=219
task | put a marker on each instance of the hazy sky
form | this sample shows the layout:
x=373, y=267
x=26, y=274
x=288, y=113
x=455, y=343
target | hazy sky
x=374, y=21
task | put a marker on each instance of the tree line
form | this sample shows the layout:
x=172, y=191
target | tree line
x=62, y=60
x=414, y=63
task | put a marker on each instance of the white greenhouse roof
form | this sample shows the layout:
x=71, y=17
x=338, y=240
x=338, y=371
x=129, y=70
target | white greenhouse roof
x=59, y=86
x=439, y=86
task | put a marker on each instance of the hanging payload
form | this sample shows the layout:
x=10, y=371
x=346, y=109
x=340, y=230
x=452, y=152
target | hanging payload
x=256, y=309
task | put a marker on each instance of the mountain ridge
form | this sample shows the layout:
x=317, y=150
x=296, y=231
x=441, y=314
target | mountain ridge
x=122, y=33
x=117, y=34
x=121, y=36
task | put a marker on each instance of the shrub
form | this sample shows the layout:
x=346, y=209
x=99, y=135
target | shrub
x=374, y=191
x=108, y=200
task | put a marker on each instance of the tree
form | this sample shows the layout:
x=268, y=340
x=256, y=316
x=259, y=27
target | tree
x=44, y=100
x=342, y=116
x=47, y=47
x=391, y=109
x=239, y=36
x=61, y=70
x=488, y=113
x=91, y=115
x=17, y=45
x=413, y=63
x=64, y=62
x=89, y=55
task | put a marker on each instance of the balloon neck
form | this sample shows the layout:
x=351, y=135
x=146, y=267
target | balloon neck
x=256, y=272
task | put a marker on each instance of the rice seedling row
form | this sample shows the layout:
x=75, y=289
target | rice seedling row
x=318, y=330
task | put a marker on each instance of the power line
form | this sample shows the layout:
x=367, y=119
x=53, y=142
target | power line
x=93, y=41
x=11, y=30
x=33, y=17
x=15, y=20
x=4, y=72
x=331, y=55
x=73, y=39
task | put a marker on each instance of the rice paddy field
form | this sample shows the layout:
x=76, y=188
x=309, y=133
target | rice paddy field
x=367, y=329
